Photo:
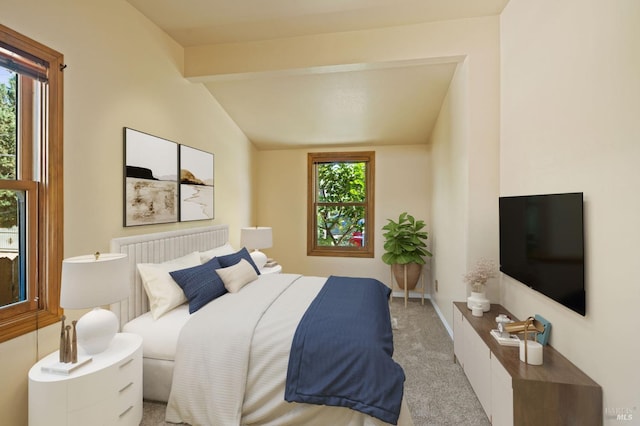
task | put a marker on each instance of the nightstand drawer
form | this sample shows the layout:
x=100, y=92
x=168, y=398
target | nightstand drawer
x=128, y=372
x=95, y=415
x=90, y=389
x=128, y=396
x=129, y=416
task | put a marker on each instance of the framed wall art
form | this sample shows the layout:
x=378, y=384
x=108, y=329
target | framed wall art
x=151, y=179
x=196, y=184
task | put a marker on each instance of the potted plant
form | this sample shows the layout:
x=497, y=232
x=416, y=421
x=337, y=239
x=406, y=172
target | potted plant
x=477, y=279
x=405, y=248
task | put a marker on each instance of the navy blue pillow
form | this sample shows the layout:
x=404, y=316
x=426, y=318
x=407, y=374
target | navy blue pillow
x=233, y=258
x=200, y=283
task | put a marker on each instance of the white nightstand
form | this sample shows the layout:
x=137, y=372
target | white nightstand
x=271, y=270
x=105, y=391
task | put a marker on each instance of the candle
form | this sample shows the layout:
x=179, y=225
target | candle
x=534, y=352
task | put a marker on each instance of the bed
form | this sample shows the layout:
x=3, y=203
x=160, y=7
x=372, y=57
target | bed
x=241, y=373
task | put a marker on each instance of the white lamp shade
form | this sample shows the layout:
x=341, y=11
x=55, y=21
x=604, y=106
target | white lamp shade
x=256, y=238
x=88, y=282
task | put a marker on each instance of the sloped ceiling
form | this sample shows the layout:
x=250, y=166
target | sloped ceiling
x=370, y=105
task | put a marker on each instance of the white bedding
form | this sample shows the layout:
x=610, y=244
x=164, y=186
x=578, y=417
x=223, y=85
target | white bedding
x=159, y=337
x=159, y=342
x=243, y=381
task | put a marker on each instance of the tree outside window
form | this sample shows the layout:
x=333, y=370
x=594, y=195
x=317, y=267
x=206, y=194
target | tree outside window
x=12, y=280
x=340, y=218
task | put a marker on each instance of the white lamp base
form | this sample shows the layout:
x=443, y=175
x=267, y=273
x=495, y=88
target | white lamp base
x=259, y=258
x=96, y=329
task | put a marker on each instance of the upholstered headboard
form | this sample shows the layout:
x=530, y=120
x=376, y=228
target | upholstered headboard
x=156, y=248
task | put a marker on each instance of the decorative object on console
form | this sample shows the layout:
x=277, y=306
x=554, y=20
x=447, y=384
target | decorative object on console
x=543, y=338
x=501, y=320
x=501, y=336
x=477, y=278
x=477, y=310
x=255, y=239
x=151, y=180
x=530, y=325
x=405, y=249
x=530, y=352
x=90, y=282
x=478, y=299
x=507, y=340
x=196, y=184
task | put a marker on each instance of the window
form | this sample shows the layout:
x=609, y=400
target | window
x=340, y=204
x=31, y=200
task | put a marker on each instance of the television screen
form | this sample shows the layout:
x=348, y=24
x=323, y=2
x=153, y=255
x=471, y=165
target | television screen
x=542, y=245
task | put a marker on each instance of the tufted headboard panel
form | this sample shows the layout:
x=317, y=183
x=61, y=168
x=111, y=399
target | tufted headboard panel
x=156, y=248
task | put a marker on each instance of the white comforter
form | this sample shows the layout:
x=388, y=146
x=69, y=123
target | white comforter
x=232, y=357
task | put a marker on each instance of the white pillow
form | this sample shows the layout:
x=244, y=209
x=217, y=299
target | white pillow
x=206, y=256
x=163, y=292
x=237, y=276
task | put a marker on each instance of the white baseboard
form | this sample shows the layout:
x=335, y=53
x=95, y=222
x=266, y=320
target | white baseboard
x=442, y=320
x=417, y=295
x=412, y=295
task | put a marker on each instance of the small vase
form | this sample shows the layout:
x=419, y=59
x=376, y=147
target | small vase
x=479, y=299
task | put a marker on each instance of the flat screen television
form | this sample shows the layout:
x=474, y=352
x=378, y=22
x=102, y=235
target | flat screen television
x=542, y=245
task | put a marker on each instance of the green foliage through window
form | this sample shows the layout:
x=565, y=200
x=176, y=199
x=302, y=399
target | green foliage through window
x=341, y=192
x=8, y=121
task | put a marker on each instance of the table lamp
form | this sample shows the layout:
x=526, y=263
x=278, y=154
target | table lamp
x=255, y=239
x=92, y=281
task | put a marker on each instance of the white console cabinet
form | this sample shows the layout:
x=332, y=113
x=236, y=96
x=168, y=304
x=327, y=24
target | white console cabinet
x=514, y=393
x=501, y=394
x=105, y=391
x=475, y=358
x=478, y=366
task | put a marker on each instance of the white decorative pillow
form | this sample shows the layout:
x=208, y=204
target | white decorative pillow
x=206, y=256
x=237, y=276
x=163, y=292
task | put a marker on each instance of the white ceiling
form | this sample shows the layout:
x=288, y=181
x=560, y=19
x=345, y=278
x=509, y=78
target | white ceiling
x=371, y=105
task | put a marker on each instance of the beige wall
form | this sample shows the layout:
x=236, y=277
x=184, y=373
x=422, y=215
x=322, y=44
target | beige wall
x=465, y=153
x=449, y=206
x=402, y=184
x=569, y=122
x=122, y=71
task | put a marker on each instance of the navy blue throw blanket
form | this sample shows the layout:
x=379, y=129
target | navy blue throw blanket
x=341, y=352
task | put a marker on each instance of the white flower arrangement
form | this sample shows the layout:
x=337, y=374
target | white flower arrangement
x=480, y=274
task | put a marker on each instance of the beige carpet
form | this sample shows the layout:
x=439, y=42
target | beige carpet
x=436, y=388
x=437, y=391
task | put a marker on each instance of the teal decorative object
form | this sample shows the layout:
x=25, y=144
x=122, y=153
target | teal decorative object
x=543, y=338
